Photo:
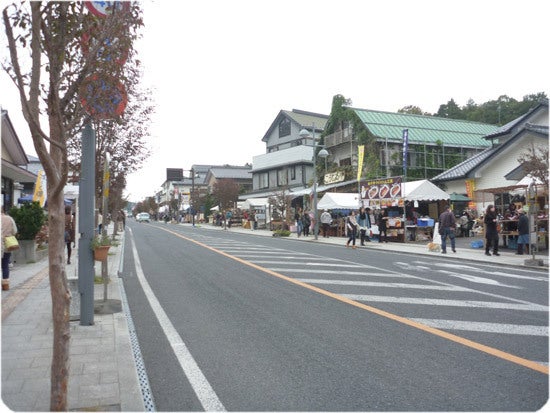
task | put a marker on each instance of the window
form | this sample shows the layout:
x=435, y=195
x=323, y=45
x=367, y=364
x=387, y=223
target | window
x=282, y=177
x=345, y=161
x=284, y=128
x=264, y=180
x=293, y=173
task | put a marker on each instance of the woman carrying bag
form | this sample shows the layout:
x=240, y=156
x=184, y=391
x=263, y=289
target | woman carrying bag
x=9, y=229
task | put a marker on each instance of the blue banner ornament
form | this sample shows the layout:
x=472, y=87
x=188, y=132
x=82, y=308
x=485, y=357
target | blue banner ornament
x=405, y=150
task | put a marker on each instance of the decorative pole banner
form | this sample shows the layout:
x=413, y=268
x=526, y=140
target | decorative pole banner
x=38, y=195
x=361, y=151
x=405, y=150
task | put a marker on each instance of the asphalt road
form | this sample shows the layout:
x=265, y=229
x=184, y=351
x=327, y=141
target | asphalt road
x=240, y=322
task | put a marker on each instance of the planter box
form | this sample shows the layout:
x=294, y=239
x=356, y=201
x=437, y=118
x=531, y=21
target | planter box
x=101, y=253
x=26, y=252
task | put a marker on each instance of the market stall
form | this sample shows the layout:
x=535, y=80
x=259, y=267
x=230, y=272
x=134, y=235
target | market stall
x=530, y=195
x=259, y=207
x=413, y=207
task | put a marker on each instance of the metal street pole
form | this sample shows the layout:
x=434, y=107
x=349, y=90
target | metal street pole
x=192, y=193
x=106, y=189
x=315, y=213
x=86, y=215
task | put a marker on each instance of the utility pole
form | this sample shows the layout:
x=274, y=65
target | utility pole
x=106, y=187
x=86, y=227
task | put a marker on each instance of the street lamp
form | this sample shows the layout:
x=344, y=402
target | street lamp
x=191, y=201
x=323, y=153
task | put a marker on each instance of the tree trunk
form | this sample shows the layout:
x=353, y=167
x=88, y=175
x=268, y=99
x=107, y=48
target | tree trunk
x=61, y=299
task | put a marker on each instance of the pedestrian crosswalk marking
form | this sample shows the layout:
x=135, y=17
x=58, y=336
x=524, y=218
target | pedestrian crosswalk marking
x=311, y=264
x=385, y=284
x=448, y=303
x=476, y=279
x=500, y=328
x=363, y=273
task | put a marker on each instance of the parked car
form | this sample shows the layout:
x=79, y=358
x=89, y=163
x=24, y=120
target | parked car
x=143, y=217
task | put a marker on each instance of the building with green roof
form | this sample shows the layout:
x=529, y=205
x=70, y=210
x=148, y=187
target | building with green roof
x=435, y=144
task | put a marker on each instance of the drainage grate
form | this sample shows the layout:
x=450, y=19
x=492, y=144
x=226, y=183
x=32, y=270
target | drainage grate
x=142, y=373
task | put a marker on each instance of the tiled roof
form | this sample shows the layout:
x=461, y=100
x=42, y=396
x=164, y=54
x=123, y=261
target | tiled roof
x=304, y=118
x=231, y=172
x=507, y=128
x=425, y=129
x=463, y=169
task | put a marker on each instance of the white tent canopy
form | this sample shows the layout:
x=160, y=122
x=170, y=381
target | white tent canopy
x=252, y=203
x=422, y=190
x=339, y=200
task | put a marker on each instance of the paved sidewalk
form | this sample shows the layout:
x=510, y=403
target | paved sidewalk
x=102, y=373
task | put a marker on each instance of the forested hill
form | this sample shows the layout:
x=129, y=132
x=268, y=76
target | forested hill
x=497, y=112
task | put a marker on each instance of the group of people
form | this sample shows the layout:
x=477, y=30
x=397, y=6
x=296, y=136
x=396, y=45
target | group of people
x=302, y=221
x=491, y=219
x=357, y=224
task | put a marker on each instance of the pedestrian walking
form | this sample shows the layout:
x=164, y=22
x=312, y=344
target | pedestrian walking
x=99, y=222
x=447, y=228
x=298, y=221
x=9, y=228
x=351, y=227
x=523, y=232
x=69, y=231
x=383, y=225
x=363, y=220
x=306, y=223
x=326, y=220
x=491, y=233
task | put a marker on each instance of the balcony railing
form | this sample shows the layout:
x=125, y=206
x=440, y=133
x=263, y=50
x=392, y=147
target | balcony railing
x=338, y=137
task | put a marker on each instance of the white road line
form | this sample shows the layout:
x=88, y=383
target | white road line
x=311, y=264
x=287, y=257
x=338, y=272
x=448, y=303
x=384, y=284
x=476, y=279
x=524, y=330
x=484, y=271
x=205, y=393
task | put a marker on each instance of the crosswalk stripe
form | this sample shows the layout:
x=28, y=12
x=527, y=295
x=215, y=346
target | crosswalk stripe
x=311, y=264
x=339, y=272
x=384, y=284
x=448, y=303
x=524, y=330
x=286, y=257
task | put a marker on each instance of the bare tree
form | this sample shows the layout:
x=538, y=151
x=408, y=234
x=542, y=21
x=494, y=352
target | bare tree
x=535, y=163
x=51, y=71
x=281, y=202
x=226, y=191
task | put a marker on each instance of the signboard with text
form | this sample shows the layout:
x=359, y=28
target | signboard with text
x=382, y=192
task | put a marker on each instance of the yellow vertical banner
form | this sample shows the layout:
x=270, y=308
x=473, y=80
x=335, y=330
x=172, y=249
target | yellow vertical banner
x=470, y=188
x=361, y=153
x=38, y=194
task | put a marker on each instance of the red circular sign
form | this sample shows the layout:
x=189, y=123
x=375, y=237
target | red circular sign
x=104, y=8
x=108, y=52
x=103, y=97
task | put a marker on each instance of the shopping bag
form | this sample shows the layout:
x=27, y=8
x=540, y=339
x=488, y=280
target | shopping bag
x=11, y=243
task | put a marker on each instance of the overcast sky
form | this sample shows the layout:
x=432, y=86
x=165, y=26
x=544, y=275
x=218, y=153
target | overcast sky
x=221, y=70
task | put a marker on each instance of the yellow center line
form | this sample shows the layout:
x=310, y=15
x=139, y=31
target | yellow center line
x=440, y=333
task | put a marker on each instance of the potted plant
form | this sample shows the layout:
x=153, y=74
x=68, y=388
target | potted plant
x=100, y=246
x=29, y=219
